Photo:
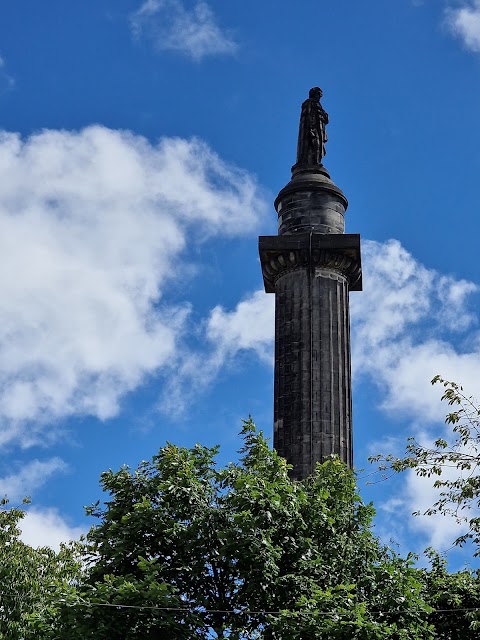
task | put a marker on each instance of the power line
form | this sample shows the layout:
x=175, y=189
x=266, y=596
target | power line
x=200, y=610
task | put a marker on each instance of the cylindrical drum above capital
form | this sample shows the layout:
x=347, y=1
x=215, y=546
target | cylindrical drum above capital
x=310, y=211
x=312, y=403
x=311, y=203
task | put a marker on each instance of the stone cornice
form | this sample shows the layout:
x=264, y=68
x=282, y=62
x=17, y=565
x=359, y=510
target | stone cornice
x=336, y=253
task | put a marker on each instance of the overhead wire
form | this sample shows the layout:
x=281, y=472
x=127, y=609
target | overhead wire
x=199, y=609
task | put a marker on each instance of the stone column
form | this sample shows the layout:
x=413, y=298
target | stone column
x=311, y=278
x=311, y=266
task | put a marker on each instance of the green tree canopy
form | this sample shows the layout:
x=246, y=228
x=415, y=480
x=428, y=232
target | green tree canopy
x=184, y=549
x=31, y=581
x=191, y=550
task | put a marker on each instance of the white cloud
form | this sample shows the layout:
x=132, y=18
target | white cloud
x=409, y=324
x=464, y=22
x=32, y=475
x=41, y=526
x=192, y=32
x=47, y=528
x=92, y=224
x=249, y=327
x=441, y=531
x=415, y=494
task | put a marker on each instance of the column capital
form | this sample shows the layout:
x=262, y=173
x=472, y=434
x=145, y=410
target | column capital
x=337, y=252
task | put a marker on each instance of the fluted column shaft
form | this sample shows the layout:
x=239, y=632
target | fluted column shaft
x=312, y=400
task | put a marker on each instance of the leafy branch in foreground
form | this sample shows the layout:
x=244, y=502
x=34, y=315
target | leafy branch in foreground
x=460, y=495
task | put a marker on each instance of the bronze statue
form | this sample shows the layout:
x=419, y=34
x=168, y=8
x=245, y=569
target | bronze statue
x=312, y=134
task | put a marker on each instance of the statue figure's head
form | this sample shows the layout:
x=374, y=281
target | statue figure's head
x=315, y=94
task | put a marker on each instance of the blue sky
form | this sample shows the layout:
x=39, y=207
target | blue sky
x=142, y=144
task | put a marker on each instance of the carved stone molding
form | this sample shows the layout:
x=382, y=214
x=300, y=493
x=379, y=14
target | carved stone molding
x=315, y=252
x=284, y=262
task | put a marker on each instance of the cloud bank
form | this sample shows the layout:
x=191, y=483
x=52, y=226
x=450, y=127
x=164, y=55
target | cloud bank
x=409, y=324
x=464, y=22
x=92, y=225
x=169, y=26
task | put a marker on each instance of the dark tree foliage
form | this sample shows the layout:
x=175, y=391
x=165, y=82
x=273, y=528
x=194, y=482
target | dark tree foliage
x=239, y=552
x=454, y=598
